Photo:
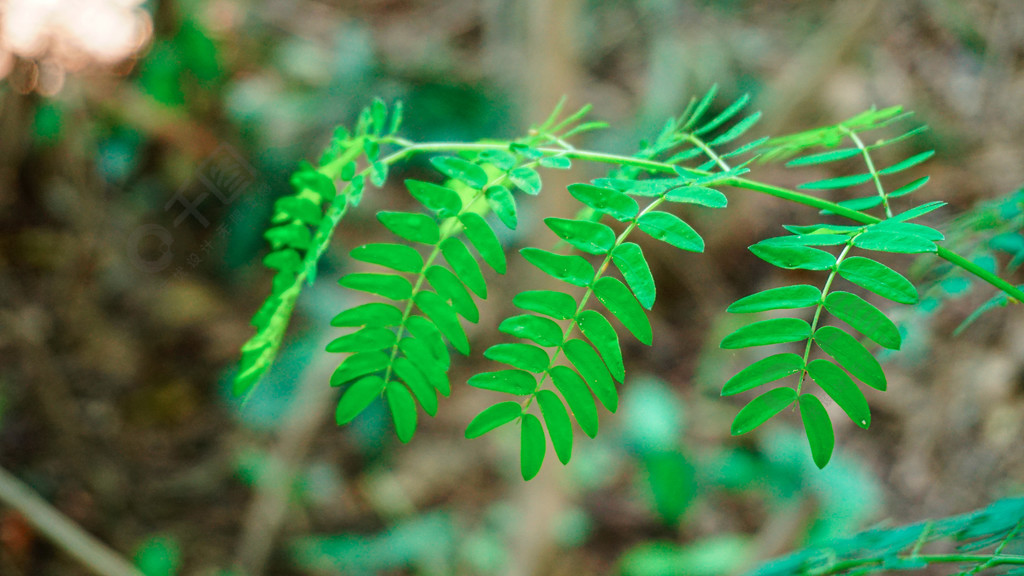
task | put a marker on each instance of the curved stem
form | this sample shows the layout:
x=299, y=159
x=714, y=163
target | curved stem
x=871, y=168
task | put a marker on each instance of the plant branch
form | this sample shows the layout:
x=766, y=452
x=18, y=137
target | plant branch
x=60, y=530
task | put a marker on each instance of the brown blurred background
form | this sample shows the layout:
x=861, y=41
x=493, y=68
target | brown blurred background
x=126, y=286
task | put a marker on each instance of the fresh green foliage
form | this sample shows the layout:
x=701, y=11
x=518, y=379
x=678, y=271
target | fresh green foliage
x=986, y=538
x=565, y=361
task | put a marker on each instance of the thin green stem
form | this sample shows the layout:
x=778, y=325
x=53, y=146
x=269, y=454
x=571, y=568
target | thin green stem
x=707, y=150
x=871, y=168
x=818, y=309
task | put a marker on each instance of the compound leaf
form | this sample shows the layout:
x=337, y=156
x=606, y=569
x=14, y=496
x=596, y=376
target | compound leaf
x=852, y=355
x=770, y=369
x=403, y=410
x=621, y=303
x=523, y=356
x=541, y=330
x=782, y=298
x=532, y=446
x=794, y=257
x=518, y=382
x=493, y=417
x=592, y=368
x=559, y=425
x=602, y=335
x=571, y=268
x=774, y=331
x=605, y=200
x=547, y=302
x=576, y=395
x=589, y=237
x=444, y=201
x=863, y=316
x=464, y=265
x=484, y=240
x=387, y=285
x=357, y=397
x=629, y=259
x=878, y=278
x=411, y=226
x=841, y=388
x=760, y=409
x=818, y=427
x=672, y=230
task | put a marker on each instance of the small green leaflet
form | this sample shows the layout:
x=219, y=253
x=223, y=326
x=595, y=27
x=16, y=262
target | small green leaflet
x=395, y=256
x=386, y=285
x=842, y=389
x=365, y=340
x=770, y=369
x=878, y=278
x=559, y=425
x=629, y=259
x=444, y=318
x=823, y=157
x=852, y=355
x=572, y=269
x=602, y=335
x=418, y=383
x=918, y=211
x=697, y=195
x=774, y=331
x=541, y=330
x=376, y=313
x=432, y=369
x=295, y=235
x=358, y=365
x=806, y=240
x=286, y=259
x=557, y=162
x=357, y=397
x=464, y=265
x=594, y=372
x=589, y=237
x=439, y=199
x=794, y=257
x=484, y=240
x=576, y=395
x=425, y=331
x=910, y=187
x=523, y=356
x=863, y=316
x=493, y=417
x=834, y=183
x=621, y=303
x=818, y=427
x=518, y=382
x=449, y=287
x=547, y=302
x=412, y=226
x=908, y=163
x=760, y=409
x=403, y=410
x=670, y=229
x=891, y=241
x=532, y=446
x=725, y=115
x=605, y=200
x=737, y=130
x=526, y=179
x=498, y=158
x=297, y=208
x=782, y=298
x=459, y=169
x=504, y=205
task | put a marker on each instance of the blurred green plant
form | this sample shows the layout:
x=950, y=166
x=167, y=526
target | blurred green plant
x=400, y=350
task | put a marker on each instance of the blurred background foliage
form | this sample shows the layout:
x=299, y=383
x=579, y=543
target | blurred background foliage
x=127, y=281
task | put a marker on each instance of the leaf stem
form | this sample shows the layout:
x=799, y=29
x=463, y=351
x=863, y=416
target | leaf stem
x=871, y=168
x=819, y=308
